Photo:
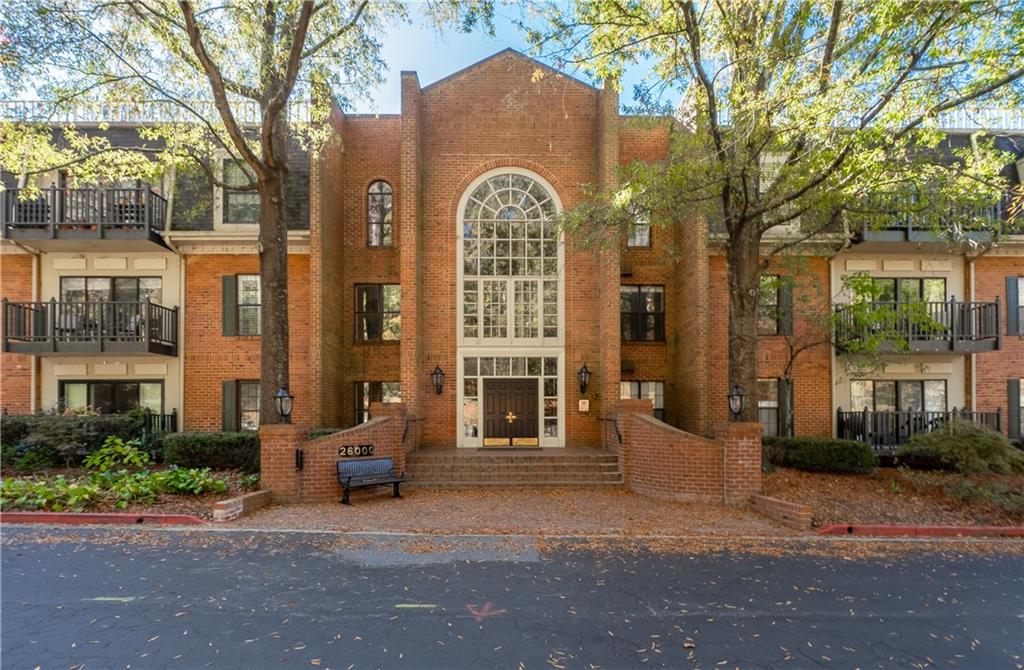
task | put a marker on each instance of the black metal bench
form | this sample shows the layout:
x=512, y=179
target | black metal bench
x=363, y=472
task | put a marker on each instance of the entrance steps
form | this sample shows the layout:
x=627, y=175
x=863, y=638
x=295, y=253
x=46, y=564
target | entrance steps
x=512, y=468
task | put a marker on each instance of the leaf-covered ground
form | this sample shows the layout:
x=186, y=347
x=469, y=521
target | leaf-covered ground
x=890, y=496
x=512, y=511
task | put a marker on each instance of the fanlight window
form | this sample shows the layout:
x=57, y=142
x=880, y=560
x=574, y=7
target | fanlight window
x=510, y=251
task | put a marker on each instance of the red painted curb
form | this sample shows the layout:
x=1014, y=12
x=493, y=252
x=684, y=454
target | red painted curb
x=94, y=518
x=879, y=530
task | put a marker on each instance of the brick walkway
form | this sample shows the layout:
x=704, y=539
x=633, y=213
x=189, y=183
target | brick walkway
x=543, y=511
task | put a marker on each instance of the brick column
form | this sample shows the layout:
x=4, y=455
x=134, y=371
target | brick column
x=742, y=460
x=624, y=409
x=609, y=273
x=410, y=248
x=278, y=443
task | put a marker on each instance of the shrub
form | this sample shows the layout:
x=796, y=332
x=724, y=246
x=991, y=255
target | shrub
x=820, y=454
x=117, y=452
x=219, y=451
x=52, y=438
x=321, y=432
x=964, y=447
x=188, y=481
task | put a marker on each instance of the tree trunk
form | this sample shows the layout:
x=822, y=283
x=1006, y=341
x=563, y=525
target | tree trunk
x=744, y=278
x=273, y=251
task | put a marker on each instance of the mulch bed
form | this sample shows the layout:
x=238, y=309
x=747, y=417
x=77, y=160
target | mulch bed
x=200, y=506
x=888, y=496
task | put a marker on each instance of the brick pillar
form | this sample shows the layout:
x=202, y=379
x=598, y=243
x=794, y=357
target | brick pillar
x=741, y=443
x=609, y=276
x=278, y=443
x=414, y=375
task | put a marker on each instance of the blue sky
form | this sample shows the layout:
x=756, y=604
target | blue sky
x=434, y=56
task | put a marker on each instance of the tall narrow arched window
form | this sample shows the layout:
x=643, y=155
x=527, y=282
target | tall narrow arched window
x=378, y=215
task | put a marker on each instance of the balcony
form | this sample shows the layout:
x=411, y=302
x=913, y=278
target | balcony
x=83, y=219
x=925, y=327
x=888, y=218
x=885, y=431
x=76, y=328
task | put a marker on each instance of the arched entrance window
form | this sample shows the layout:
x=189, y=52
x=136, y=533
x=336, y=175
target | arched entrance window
x=510, y=327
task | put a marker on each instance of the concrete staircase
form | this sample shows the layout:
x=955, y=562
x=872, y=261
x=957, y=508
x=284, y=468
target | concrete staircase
x=511, y=468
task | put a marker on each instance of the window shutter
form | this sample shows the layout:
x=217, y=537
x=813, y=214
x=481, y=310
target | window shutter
x=785, y=408
x=785, y=307
x=229, y=405
x=1012, y=307
x=1013, y=408
x=229, y=305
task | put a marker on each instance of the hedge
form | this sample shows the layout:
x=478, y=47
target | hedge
x=964, y=447
x=220, y=451
x=321, y=432
x=821, y=454
x=53, y=439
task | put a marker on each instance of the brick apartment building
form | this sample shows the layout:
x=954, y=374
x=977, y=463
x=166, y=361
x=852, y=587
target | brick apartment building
x=423, y=243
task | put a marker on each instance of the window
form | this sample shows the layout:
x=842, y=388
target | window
x=642, y=313
x=113, y=397
x=110, y=289
x=367, y=392
x=509, y=253
x=248, y=301
x=640, y=231
x=239, y=206
x=912, y=395
x=768, y=406
x=768, y=306
x=377, y=312
x=654, y=391
x=378, y=215
x=248, y=405
x=1015, y=305
x=909, y=289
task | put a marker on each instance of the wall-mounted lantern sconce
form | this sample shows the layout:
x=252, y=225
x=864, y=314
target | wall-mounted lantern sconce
x=437, y=376
x=283, y=402
x=737, y=401
x=584, y=375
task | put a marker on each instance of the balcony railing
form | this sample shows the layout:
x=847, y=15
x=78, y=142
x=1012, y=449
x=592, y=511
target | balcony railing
x=924, y=326
x=885, y=431
x=53, y=327
x=894, y=218
x=135, y=112
x=160, y=423
x=84, y=213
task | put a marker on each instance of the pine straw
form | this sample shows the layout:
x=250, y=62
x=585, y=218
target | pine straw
x=888, y=496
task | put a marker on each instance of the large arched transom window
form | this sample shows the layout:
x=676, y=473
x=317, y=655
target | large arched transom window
x=510, y=261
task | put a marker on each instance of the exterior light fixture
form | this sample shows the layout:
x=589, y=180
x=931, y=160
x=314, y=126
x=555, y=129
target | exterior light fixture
x=737, y=401
x=584, y=375
x=283, y=402
x=437, y=376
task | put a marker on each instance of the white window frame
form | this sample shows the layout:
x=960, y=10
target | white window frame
x=218, y=202
x=509, y=346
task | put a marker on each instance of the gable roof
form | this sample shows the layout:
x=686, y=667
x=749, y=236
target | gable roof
x=504, y=52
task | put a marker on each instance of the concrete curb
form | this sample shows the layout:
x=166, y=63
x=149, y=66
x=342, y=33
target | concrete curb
x=101, y=518
x=878, y=530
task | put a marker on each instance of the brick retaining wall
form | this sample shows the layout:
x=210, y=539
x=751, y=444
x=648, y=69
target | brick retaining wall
x=318, y=481
x=662, y=461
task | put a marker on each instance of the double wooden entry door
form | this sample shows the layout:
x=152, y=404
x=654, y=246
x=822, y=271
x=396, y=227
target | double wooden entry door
x=510, y=413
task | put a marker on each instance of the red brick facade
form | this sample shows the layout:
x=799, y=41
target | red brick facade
x=505, y=112
x=16, y=371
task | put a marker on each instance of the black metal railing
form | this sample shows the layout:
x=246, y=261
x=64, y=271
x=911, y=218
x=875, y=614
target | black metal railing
x=948, y=325
x=154, y=423
x=111, y=326
x=97, y=212
x=885, y=431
